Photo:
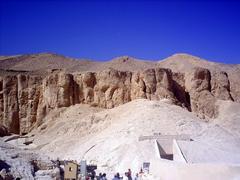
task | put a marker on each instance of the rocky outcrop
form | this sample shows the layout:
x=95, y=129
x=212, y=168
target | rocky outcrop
x=112, y=88
x=26, y=99
x=29, y=89
x=220, y=86
x=234, y=83
x=56, y=91
x=152, y=84
x=198, y=84
x=10, y=103
x=3, y=131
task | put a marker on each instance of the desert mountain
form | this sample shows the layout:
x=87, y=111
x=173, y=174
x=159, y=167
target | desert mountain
x=42, y=62
x=47, y=61
x=185, y=62
x=101, y=111
x=178, y=62
x=31, y=86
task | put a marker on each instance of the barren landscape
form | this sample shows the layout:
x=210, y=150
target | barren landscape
x=78, y=109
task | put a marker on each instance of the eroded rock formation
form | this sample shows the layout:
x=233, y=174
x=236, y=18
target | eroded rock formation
x=3, y=131
x=198, y=84
x=26, y=99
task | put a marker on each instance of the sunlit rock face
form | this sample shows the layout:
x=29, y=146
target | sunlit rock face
x=25, y=99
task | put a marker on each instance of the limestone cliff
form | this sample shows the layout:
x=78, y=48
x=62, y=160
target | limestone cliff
x=26, y=99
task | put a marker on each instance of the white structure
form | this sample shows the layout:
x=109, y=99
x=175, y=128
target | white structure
x=177, y=153
x=201, y=152
x=166, y=147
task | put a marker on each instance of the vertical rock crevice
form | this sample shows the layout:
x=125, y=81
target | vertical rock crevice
x=179, y=90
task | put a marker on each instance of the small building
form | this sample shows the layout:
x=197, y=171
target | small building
x=71, y=171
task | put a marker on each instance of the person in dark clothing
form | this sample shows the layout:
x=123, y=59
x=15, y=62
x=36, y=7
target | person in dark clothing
x=116, y=177
x=104, y=176
x=99, y=176
x=129, y=174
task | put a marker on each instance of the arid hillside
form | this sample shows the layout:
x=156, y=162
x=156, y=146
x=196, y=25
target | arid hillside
x=31, y=86
x=110, y=138
x=178, y=62
x=54, y=107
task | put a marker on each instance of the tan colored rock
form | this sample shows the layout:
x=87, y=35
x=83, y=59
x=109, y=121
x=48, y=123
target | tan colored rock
x=3, y=131
x=57, y=91
x=25, y=99
x=220, y=86
x=10, y=104
x=179, y=90
x=164, y=87
x=138, y=87
x=112, y=88
x=234, y=85
x=198, y=85
x=153, y=84
x=1, y=101
x=88, y=83
x=28, y=99
x=83, y=85
x=203, y=104
x=198, y=80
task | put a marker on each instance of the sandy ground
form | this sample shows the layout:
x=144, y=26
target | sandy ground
x=110, y=138
x=175, y=171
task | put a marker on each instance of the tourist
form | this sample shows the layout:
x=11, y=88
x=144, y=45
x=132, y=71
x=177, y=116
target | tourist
x=126, y=176
x=99, y=176
x=93, y=175
x=136, y=177
x=104, y=177
x=129, y=174
x=116, y=177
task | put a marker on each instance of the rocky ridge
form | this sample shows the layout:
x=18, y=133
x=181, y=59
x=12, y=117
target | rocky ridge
x=25, y=98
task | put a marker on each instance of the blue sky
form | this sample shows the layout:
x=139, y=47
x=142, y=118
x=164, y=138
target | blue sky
x=102, y=30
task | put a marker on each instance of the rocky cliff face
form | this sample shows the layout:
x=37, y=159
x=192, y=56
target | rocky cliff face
x=26, y=99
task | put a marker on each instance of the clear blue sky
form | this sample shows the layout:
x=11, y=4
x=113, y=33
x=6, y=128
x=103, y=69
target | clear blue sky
x=101, y=30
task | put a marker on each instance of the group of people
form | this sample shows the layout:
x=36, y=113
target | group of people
x=102, y=176
x=127, y=176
